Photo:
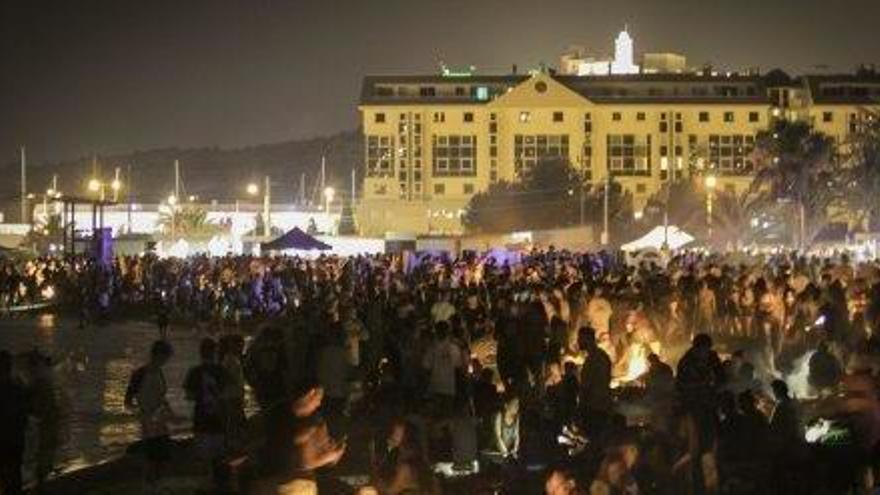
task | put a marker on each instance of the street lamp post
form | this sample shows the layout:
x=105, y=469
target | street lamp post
x=253, y=189
x=97, y=187
x=116, y=186
x=329, y=193
x=172, y=206
x=267, y=215
x=711, y=184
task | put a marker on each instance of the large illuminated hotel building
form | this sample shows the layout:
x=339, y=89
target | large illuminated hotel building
x=431, y=142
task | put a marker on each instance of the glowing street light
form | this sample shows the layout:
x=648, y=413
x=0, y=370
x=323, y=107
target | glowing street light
x=94, y=185
x=116, y=185
x=172, y=200
x=253, y=189
x=711, y=181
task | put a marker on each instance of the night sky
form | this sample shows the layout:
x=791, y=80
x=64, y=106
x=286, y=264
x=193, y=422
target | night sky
x=81, y=77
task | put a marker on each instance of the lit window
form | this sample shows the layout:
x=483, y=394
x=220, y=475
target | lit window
x=482, y=93
x=529, y=150
x=525, y=117
x=454, y=155
x=731, y=154
x=628, y=154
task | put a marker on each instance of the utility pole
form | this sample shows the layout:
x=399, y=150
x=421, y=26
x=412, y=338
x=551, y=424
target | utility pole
x=353, y=189
x=177, y=179
x=23, y=185
x=323, y=176
x=176, y=198
x=267, y=227
x=128, y=195
x=302, y=189
x=115, y=185
x=55, y=193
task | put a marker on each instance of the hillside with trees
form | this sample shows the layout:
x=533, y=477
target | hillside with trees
x=210, y=173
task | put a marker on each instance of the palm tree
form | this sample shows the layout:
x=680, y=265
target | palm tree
x=795, y=165
x=187, y=221
x=730, y=220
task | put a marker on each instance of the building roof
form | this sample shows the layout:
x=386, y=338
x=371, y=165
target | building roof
x=844, y=89
x=629, y=88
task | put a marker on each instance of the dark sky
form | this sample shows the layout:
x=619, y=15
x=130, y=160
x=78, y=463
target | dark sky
x=85, y=76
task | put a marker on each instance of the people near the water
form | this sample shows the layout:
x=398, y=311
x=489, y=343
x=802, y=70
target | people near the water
x=441, y=341
x=15, y=407
x=147, y=394
x=204, y=386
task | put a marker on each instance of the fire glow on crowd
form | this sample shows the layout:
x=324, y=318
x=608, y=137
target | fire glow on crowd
x=701, y=376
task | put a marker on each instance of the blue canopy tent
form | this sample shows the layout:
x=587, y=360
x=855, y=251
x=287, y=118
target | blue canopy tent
x=295, y=239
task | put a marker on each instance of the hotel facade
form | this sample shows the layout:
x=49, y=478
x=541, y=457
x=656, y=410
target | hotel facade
x=431, y=142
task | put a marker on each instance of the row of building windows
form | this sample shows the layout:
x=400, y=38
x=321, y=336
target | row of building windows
x=559, y=117
x=528, y=150
x=628, y=154
x=454, y=156
x=439, y=189
x=380, y=156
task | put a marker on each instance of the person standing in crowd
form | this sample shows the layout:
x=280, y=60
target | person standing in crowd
x=14, y=411
x=698, y=381
x=147, y=393
x=204, y=385
x=443, y=361
x=163, y=318
x=595, y=395
x=443, y=309
x=47, y=412
x=334, y=369
x=231, y=348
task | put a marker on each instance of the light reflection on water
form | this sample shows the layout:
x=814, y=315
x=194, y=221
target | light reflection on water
x=93, y=368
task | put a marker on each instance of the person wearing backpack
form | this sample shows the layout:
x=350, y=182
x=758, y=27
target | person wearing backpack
x=146, y=393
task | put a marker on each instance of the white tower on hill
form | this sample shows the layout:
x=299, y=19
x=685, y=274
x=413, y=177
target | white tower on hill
x=623, y=55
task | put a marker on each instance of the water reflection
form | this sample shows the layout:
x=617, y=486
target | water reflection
x=92, y=368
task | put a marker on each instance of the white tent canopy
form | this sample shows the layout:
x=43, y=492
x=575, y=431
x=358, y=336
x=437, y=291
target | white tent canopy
x=675, y=237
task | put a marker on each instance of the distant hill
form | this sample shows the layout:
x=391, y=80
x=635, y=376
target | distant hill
x=209, y=173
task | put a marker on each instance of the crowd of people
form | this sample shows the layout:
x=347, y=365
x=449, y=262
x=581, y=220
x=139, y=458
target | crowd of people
x=710, y=373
